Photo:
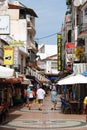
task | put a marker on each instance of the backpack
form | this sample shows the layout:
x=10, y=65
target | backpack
x=31, y=95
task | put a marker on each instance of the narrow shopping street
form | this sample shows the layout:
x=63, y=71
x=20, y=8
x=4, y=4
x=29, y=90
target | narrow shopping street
x=21, y=118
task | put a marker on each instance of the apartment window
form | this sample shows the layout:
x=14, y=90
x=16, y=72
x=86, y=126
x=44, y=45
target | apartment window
x=53, y=65
x=85, y=11
x=42, y=50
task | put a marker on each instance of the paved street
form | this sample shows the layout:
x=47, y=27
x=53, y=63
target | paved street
x=22, y=119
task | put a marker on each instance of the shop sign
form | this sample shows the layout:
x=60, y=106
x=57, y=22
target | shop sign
x=70, y=47
x=16, y=53
x=59, y=54
x=15, y=43
x=8, y=55
x=4, y=25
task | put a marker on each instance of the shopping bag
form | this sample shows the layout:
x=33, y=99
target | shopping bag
x=36, y=101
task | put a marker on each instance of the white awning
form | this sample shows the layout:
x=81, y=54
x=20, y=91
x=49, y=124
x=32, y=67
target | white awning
x=6, y=72
x=73, y=79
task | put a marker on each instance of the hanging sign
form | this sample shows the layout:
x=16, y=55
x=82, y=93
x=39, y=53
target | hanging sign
x=8, y=55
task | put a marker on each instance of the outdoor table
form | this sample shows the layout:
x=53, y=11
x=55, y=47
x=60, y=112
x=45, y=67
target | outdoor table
x=75, y=106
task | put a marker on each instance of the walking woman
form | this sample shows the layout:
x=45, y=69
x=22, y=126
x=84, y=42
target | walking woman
x=31, y=98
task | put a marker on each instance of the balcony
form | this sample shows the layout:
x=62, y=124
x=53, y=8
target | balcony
x=82, y=30
x=32, y=46
x=31, y=27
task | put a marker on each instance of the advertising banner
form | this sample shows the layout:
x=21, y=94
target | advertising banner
x=8, y=55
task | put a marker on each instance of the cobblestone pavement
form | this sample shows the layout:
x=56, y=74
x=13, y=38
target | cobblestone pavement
x=47, y=119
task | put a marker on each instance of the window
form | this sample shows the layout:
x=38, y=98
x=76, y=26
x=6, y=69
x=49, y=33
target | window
x=42, y=50
x=54, y=65
x=85, y=11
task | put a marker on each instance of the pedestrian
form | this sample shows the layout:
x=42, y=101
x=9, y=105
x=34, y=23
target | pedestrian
x=40, y=96
x=85, y=105
x=31, y=98
x=27, y=93
x=54, y=98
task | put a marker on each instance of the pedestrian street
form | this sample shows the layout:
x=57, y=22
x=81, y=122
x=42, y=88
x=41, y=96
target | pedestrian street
x=21, y=118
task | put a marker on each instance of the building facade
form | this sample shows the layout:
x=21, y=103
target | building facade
x=22, y=33
x=47, y=61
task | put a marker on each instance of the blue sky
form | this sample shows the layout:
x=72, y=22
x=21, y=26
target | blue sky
x=51, y=15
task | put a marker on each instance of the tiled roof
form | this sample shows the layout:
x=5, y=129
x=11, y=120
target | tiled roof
x=28, y=10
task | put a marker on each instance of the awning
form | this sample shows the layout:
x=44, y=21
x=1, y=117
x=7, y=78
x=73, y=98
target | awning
x=26, y=81
x=6, y=72
x=33, y=78
x=73, y=79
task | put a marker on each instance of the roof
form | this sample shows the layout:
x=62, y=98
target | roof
x=27, y=10
x=52, y=57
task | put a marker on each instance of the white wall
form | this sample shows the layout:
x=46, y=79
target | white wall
x=49, y=51
x=18, y=30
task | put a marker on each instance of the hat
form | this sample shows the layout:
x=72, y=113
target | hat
x=31, y=85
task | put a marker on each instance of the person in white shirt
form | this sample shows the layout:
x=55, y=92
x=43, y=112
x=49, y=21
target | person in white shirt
x=40, y=96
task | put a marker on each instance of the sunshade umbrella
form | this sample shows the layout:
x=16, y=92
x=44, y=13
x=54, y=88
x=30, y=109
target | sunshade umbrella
x=73, y=79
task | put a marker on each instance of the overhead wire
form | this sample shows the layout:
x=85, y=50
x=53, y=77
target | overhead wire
x=48, y=36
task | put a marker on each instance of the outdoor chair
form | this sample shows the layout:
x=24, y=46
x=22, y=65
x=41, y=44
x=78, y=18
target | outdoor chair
x=66, y=107
x=80, y=110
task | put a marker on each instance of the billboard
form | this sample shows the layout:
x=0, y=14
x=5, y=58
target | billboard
x=4, y=25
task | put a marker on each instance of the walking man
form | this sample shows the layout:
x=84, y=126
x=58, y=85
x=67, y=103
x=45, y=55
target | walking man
x=40, y=96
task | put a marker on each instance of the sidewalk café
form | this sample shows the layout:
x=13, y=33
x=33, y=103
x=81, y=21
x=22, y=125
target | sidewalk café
x=74, y=90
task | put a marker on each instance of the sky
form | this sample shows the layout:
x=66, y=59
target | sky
x=51, y=15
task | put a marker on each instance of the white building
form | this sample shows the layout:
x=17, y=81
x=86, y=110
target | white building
x=48, y=59
x=46, y=50
x=22, y=31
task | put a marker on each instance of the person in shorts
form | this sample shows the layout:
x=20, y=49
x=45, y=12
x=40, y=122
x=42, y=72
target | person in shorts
x=27, y=94
x=40, y=96
x=31, y=98
x=54, y=98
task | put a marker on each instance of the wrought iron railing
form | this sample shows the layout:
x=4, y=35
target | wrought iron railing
x=82, y=28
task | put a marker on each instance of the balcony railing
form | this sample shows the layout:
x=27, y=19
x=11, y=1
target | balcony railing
x=82, y=28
